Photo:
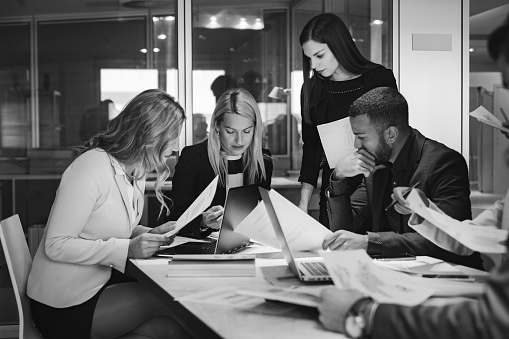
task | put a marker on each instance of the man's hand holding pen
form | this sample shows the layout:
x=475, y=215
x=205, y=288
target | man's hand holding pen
x=401, y=206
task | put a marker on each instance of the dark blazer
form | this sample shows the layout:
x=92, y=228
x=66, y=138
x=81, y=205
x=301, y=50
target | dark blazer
x=481, y=318
x=443, y=176
x=193, y=173
x=312, y=150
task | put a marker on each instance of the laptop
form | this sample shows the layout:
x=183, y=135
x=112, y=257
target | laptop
x=306, y=269
x=240, y=201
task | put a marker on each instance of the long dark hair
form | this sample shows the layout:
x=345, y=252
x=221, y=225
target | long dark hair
x=142, y=136
x=328, y=28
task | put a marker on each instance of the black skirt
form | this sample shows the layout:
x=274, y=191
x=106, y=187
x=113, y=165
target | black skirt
x=70, y=322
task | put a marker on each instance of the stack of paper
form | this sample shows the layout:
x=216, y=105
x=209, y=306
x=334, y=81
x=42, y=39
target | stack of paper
x=212, y=265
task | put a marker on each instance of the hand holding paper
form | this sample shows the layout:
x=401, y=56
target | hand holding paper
x=478, y=238
x=484, y=116
x=337, y=140
x=197, y=207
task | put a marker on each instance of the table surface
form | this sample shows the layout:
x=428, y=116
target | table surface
x=269, y=320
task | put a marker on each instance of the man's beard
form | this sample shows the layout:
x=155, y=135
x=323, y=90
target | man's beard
x=383, y=153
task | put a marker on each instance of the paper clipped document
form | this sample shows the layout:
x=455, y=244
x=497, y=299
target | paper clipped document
x=302, y=231
x=197, y=207
x=337, y=140
x=482, y=239
x=485, y=116
x=356, y=270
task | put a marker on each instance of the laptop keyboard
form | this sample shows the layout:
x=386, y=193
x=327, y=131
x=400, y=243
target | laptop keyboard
x=315, y=267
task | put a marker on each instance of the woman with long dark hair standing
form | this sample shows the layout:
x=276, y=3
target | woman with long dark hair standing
x=335, y=75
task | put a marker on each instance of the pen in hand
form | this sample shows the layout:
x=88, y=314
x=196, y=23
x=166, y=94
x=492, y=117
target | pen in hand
x=405, y=194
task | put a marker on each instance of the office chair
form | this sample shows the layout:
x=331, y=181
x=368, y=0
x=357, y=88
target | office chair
x=19, y=263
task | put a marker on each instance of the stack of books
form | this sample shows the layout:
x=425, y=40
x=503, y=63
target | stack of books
x=212, y=265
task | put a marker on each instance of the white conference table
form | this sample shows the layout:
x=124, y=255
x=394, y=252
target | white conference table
x=269, y=320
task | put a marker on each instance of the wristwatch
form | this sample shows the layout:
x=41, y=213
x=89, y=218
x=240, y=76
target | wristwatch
x=356, y=322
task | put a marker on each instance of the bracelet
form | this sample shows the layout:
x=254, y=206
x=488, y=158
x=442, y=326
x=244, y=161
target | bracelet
x=371, y=319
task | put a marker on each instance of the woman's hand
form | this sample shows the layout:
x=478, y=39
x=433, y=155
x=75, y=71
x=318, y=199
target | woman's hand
x=213, y=217
x=145, y=245
x=163, y=229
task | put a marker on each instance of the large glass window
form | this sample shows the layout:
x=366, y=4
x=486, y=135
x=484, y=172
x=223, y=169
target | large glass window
x=15, y=94
x=244, y=46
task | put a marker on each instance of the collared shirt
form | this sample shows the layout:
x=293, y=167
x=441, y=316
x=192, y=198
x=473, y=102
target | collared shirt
x=135, y=190
x=391, y=220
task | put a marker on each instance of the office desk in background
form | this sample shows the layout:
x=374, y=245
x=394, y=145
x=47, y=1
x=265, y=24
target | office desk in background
x=212, y=321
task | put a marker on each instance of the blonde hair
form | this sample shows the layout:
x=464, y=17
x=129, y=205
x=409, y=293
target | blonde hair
x=141, y=135
x=237, y=101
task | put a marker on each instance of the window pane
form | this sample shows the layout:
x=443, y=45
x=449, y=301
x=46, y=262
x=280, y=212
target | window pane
x=241, y=46
x=76, y=59
x=15, y=116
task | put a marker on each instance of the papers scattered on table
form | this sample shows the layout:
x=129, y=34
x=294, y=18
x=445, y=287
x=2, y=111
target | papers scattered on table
x=302, y=231
x=221, y=296
x=214, y=265
x=298, y=295
x=337, y=140
x=483, y=239
x=197, y=207
x=484, y=116
x=356, y=270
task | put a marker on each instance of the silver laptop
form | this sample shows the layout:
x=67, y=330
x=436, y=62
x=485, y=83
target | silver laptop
x=307, y=269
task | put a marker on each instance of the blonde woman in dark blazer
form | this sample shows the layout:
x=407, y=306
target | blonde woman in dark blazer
x=233, y=151
x=76, y=286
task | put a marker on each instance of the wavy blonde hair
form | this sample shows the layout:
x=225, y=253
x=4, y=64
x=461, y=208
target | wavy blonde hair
x=237, y=101
x=141, y=136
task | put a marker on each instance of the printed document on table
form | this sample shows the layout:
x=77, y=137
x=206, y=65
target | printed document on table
x=484, y=239
x=485, y=116
x=197, y=207
x=356, y=270
x=337, y=140
x=221, y=296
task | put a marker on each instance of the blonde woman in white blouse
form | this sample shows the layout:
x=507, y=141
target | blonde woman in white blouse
x=76, y=286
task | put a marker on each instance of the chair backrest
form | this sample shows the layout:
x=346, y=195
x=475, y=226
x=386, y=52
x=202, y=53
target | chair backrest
x=19, y=263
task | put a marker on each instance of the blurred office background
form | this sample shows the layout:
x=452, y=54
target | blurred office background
x=68, y=67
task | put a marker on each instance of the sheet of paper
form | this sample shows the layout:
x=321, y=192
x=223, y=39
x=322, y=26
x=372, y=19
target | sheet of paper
x=258, y=227
x=303, y=297
x=178, y=240
x=337, y=140
x=223, y=296
x=356, y=270
x=302, y=231
x=152, y=261
x=484, y=116
x=197, y=207
x=483, y=239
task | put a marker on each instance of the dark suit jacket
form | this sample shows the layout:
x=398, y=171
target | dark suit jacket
x=482, y=318
x=312, y=149
x=193, y=173
x=443, y=176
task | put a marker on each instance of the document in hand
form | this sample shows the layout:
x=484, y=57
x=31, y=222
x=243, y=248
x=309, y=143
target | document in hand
x=356, y=270
x=213, y=265
x=337, y=140
x=197, y=207
x=484, y=116
x=483, y=239
x=302, y=231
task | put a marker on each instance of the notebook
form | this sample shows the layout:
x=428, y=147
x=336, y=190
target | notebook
x=306, y=269
x=240, y=201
